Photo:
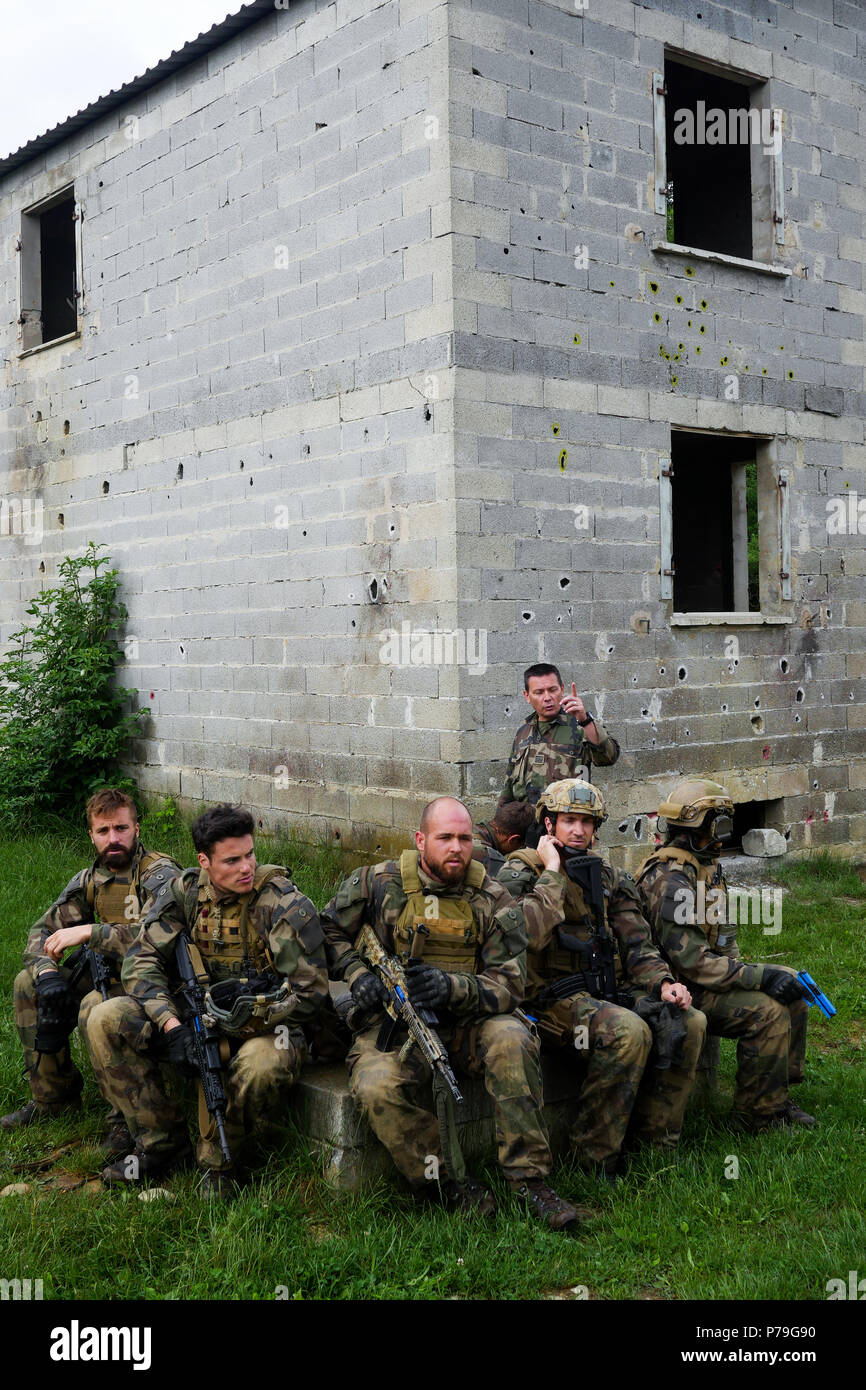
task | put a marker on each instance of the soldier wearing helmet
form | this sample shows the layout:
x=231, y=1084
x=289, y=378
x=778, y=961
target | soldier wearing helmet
x=685, y=899
x=590, y=964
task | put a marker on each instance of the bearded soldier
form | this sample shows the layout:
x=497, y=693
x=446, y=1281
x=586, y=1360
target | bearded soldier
x=685, y=898
x=560, y=739
x=595, y=976
x=463, y=941
x=99, y=911
x=256, y=943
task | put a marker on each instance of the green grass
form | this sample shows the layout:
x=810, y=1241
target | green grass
x=792, y=1219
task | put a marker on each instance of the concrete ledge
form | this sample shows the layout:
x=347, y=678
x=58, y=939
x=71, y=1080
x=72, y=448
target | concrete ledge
x=328, y=1115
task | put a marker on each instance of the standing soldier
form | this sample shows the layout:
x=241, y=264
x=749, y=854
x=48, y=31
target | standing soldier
x=685, y=898
x=560, y=739
x=250, y=933
x=464, y=941
x=595, y=976
x=98, y=910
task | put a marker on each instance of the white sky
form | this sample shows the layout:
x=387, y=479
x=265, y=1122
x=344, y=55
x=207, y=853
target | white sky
x=59, y=55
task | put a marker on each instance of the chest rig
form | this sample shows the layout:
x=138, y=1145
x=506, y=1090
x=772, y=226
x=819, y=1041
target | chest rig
x=708, y=874
x=443, y=929
x=120, y=898
x=227, y=941
x=582, y=942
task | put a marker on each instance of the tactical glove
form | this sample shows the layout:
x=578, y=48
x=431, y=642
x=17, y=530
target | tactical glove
x=368, y=992
x=429, y=987
x=180, y=1050
x=781, y=986
x=668, y=1027
x=56, y=1011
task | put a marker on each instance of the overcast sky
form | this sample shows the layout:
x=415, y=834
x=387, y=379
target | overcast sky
x=59, y=55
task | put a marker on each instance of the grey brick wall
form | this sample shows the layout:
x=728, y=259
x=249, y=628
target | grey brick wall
x=335, y=333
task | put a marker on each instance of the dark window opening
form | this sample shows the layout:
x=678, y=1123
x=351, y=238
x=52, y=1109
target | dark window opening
x=709, y=185
x=753, y=815
x=57, y=267
x=714, y=495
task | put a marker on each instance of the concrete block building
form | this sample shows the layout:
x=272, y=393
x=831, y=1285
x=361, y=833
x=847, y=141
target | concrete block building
x=391, y=347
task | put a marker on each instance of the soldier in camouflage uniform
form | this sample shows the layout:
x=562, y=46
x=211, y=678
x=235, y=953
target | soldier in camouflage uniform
x=505, y=832
x=559, y=740
x=631, y=1090
x=470, y=969
x=99, y=908
x=759, y=1005
x=245, y=922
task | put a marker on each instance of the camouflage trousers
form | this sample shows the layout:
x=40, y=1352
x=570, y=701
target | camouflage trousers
x=764, y=1030
x=127, y=1052
x=623, y=1093
x=395, y=1096
x=55, y=1080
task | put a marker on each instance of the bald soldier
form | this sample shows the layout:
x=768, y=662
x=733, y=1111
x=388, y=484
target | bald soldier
x=463, y=943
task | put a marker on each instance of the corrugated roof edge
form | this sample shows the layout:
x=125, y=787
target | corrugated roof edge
x=217, y=34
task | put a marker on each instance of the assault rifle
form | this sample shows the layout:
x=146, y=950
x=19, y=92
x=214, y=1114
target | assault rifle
x=420, y=1024
x=206, y=1041
x=85, y=958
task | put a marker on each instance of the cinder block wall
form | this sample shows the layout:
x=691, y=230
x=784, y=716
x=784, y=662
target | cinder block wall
x=311, y=376
x=253, y=427
x=553, y=148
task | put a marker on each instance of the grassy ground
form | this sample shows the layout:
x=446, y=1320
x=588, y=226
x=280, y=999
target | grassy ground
x=790, y=1221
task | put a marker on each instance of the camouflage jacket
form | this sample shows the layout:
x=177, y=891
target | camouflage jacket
x=79, y=901
x=374, y=896
x=542, y=895
x=545, y=752
x=284, y=920
x=485, y=849
x=664, y=888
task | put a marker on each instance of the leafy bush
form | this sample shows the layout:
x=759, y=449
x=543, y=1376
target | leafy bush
x=63, y=724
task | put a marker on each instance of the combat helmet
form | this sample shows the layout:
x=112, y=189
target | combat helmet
x=699, y=804
x=572, y=797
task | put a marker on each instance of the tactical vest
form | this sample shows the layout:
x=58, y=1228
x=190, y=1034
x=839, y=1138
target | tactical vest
x=710, y=875
x=444, y=930
x=228, y=943
x=115, y=900
x=555, y=960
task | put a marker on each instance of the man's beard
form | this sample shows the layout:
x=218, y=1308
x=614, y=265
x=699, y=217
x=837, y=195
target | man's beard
x=117, y=857
x=447, y=873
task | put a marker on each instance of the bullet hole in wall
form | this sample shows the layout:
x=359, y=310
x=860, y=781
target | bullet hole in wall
x=41, y=566
x=622, y=827
x=428, y=413
x=800, y=696
x=757, y=723
x=65, y=426
x=527, y=617
x=564, y=582
x=306, y=448
x=303, y=533
x=179, y=473
x=105, y=486
x=661, y=670
x=392, y=529
x=638, y=828
x=60, y=521
x=783, y=666
x=815, y=785
x=242, y=465
x=682, y=673
x=798, y=719
x=758, y=703
x=724, y=709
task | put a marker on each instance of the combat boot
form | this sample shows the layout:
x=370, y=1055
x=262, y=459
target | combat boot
x=118, y=1141
x=789, y=1114
x=544, y=1203
x=136, y=1166
x=218, y=1184
x=32, y=1114
x=468, y=1195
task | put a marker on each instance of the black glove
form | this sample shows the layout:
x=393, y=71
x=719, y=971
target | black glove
x=429, y=987
x=786, y=988
x=668, y=1026
x=56, y=1012
x=180, y=1050
x=368, y=992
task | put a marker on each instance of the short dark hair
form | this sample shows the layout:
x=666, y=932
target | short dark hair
x=541, y=668
x=106, y=800
x=514, y=818
x=223, y=822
